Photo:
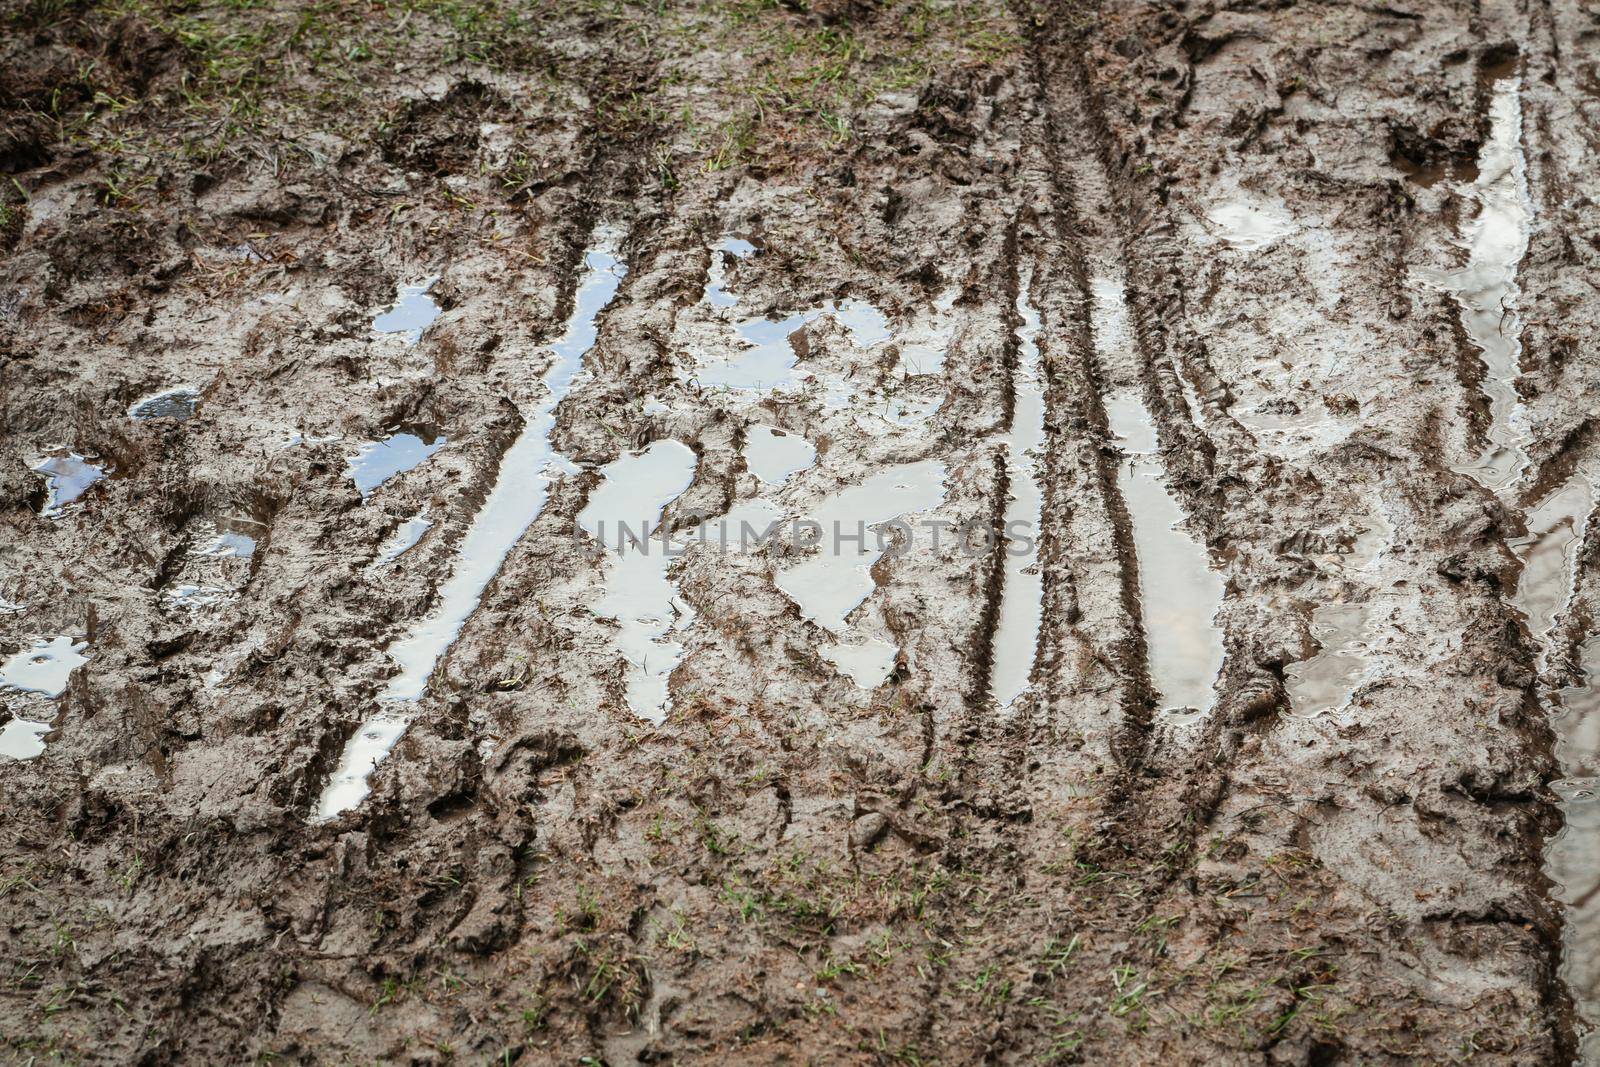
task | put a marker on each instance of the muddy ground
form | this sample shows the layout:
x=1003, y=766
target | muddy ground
x=791, y=866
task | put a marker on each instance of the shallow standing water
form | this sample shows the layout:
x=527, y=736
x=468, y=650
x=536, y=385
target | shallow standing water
x=775, y=456
x=1016, y=636
x=520, y=487
x=43, y=669
x=829, y=585
x=67, y=477
x=177, y=403
x=1496, y=239
x=412, y=312
x=1572, y=857
x=623, y=515
x=1327, y=680
x=375, y=462
x=1179, y=594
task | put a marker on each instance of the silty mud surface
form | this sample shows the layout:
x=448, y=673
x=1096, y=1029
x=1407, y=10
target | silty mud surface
x=325, y=229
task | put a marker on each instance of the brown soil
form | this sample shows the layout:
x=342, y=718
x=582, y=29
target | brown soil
x=790, y=868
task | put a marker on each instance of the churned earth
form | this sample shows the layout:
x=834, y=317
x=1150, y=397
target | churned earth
x=1204, y=392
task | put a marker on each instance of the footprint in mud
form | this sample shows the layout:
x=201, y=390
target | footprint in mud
x=375, y=462
x=180, y=403
x=623, y=516
x=67, y=477
x=1250, y=221
x=42, y=669
x=830, y=584
x=218, y=563
x=412, y=312
x=1328, y=680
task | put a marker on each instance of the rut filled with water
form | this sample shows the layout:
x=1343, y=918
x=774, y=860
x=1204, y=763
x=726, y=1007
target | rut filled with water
x=1179, y=593
x=1016, y=636
x=519, y=492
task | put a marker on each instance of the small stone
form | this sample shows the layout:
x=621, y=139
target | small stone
x=868, y=830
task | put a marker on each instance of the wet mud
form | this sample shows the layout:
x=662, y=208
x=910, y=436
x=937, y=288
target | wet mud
x=807, y=532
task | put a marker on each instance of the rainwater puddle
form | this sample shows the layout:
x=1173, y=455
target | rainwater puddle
x=1496, y=239
x=774, y=455
x=829, y=585
x=1249, y=221
x=1179, y=594
x=412, y=312
x=623, y=515
x=1572, y=857
x=1314, y=424
x=1549, y=554
x=519, y=492
x=1327, y=680
x=766, y=360
x=717, y=294
x=866, y=324
x=179, y=403
x=23, y=739
x=924, y=346
x=43, y=668
x=1016, y=636
x=377, y=461
x=403, y=540
x=744, y=530
x=67, y=477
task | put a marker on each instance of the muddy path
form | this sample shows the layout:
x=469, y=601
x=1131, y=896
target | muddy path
x=1155, y=445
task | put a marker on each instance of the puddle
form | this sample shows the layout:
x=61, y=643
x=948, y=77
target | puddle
x=412, y=312
x=717, y=294
x=622, y=514
x=865, y=660
x=403, y=540
x=1016, y=637
x=766, y=363
x=375, y=462
x=744, y=529
x=66, y=478
x=179, y=403
x=1250, y=222
x=830, y=584
x=924, y=346
x=1486, y=290
x=229, y=543
x=23, y=739
x=1327, y=680
x=1179, y=594
x=1549, y=554
x=867, y=325
x=520, y=487
x=774, y=455
x=1572, y=857
x=44, y=666
x=765, y=359
x=348, y=787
